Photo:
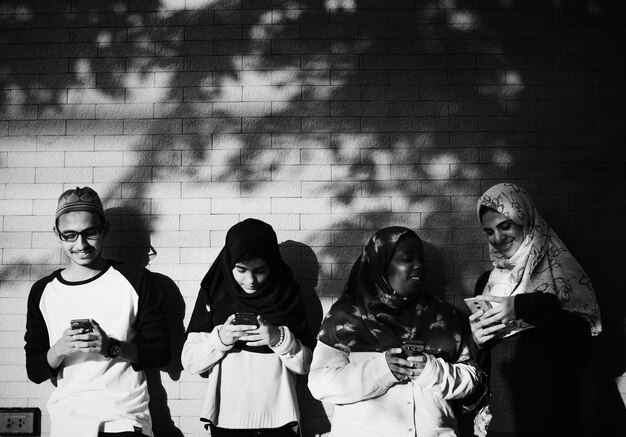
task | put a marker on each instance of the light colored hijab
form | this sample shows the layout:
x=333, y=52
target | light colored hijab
x=542, y=263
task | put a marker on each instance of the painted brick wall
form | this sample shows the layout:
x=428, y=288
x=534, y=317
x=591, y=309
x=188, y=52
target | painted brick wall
x=328, y=119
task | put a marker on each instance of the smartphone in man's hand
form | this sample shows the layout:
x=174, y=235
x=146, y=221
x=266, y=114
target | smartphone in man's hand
x=83, y=324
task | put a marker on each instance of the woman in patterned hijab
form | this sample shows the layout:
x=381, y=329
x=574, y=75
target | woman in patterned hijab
x=359, y=365
x=542, y=263
x=544, y=307
x=371, y=316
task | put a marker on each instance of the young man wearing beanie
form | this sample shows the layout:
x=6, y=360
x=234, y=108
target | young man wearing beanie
x=97, y=366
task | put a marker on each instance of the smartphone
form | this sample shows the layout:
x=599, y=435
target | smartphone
x=413, y=348
x=476, y=304
x=83, y=324
x=246, y=319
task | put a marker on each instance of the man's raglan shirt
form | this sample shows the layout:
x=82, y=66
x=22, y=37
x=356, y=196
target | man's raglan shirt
x=94, y=393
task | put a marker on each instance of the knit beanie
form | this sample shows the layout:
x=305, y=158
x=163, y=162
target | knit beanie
x=79, y=199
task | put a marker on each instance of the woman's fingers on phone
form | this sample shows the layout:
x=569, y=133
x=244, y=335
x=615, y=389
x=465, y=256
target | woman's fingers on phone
x=405, y=362
x=237, y=331
x=497, y=298
x=493, y=329
x=418, y=363
x=483, y=335
x=401, y=373
x=393, y=361
x=404, y=369
x=417, y=359
x=492, y=317
x=399, y=361
x=490, y=313
x=485, y=338
x=474, y=317
x=479, y=324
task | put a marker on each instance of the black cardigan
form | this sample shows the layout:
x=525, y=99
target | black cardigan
x=535, y=375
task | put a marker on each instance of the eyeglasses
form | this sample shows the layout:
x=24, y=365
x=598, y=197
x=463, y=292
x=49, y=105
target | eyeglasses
x=72, y=236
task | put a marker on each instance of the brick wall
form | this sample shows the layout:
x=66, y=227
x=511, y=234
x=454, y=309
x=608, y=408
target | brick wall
x=328, y=119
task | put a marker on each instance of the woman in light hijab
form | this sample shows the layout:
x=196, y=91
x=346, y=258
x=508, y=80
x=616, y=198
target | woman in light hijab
x=251, y=369
x=391, y=357
x=535, y=339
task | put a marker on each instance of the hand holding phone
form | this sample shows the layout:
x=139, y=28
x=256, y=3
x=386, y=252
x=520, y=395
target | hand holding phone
x=233, y=328
x=408, y=361
x=486, y=328
x=478, y=303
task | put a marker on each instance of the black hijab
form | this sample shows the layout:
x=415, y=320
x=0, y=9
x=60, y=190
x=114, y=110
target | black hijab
x=278, y=300
x=370, y=317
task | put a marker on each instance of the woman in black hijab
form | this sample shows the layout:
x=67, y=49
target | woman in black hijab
x=250, y=360
x=363, y=363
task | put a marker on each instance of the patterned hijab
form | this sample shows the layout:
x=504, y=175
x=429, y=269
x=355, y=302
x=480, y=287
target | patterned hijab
x=542, y=263
x=278, y=300
x=370, y=317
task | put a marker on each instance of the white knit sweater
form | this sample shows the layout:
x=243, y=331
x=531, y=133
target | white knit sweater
x=247, y=390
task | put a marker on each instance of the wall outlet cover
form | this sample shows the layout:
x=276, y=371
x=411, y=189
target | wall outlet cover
x=20, y=422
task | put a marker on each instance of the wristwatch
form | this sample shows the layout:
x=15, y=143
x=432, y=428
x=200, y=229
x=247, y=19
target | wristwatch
x=115, y=347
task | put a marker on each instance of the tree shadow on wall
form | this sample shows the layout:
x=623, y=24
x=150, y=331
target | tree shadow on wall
x=302, y=260
x=433, y=97
x=129, y=241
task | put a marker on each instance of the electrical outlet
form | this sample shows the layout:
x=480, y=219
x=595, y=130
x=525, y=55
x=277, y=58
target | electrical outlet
x=20, y=421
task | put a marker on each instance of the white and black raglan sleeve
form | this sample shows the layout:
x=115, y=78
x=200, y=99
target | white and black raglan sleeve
x=36, y=336
x=152, y=338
